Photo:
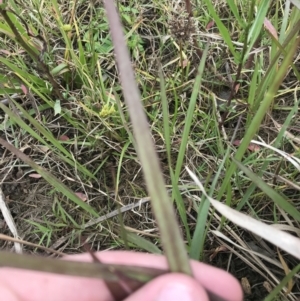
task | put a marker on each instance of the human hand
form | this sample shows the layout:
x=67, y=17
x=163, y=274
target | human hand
x=21, y=285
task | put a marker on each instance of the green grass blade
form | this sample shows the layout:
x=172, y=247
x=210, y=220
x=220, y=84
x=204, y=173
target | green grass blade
x=233, y=7
x=54, y=144
x=272, y=296
x=59, y=186
x=257, y=120
x=265, y=165
x=166, y=119
x=167, y=136
x=202, y=224
x=223, y=30
x=142, y=243
x=184, y=141
x=190, y=113
x=281, y=201
x=162, y=207
x=257, y=25
x=22, y=73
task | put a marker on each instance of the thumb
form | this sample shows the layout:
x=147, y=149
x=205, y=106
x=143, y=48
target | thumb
x=173, y=287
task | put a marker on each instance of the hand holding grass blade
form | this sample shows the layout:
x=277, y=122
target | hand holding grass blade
x=136, y=269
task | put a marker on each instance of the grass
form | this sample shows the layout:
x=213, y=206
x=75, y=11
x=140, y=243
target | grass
x=68, y=116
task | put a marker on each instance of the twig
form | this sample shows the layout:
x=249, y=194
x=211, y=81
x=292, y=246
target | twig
x=20, y=241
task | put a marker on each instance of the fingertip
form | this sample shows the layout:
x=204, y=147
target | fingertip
x=173, y=287
x=218, y=282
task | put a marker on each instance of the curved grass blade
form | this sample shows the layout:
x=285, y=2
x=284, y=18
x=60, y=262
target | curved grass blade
x=281, y=239
x=255, y=29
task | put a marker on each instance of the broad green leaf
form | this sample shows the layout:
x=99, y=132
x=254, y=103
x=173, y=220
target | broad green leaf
x=60, y=69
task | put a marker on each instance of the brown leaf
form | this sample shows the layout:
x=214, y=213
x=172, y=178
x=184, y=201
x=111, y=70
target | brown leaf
x=5, y=51
x=236, y=88
x=246, y=286
x=216, y=251
x=184, y=63
x=287, y=271
x=110, y=95
x=267, y=286
x=253, y=147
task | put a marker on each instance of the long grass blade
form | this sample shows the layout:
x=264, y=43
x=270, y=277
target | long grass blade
x=170, y=235
x=284, y=203
x=282, y=284
x=59, y=186
x=256, y=121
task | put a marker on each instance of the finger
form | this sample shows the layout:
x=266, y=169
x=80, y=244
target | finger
x=7, y=293
x=35, y=286
x=216, y=280
x=175, y=287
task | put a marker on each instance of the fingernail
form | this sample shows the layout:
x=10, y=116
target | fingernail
x=7, y=295
x=176, y=292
